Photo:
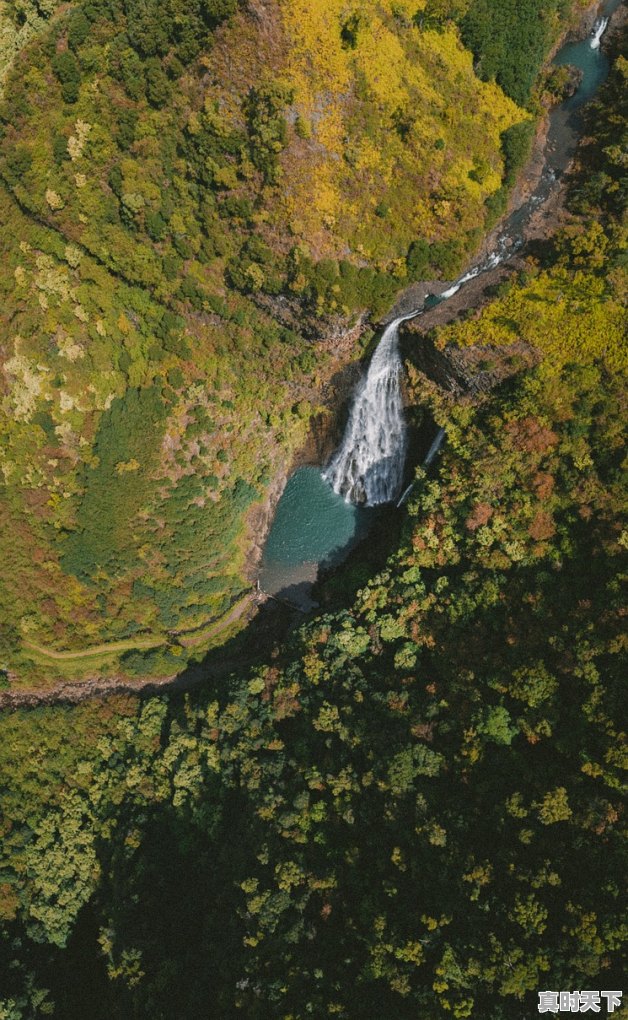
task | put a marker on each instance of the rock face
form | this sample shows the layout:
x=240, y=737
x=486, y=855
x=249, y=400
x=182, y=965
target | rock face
x=414, y=297
x=325, y=432
x=465, y=371
x=585, y=27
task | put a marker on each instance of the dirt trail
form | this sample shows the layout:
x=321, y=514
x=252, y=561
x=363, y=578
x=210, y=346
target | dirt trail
x=87, y=653
x=129, y=644
x=225, y=621
x=75, y=691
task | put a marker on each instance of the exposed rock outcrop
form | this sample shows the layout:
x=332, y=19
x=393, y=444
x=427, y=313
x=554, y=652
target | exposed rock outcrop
x=467, y=371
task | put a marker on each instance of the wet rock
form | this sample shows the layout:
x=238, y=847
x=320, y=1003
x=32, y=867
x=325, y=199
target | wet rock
x=414, y=297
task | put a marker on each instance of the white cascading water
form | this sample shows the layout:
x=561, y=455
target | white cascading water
x=437, y=442
x=598, y=31
x=368, y=465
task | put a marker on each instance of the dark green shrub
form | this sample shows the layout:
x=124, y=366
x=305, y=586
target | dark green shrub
x=418, y=260
x=158, y=87
x=156, y=226
x=79, y=28
x=17, y=163
x=66, y=68
x=516, y=146
x=60, y=149
x=126, y=123
x=267, y=127
x=496, y=205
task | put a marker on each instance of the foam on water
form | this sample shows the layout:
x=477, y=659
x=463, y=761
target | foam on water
x=598, y=31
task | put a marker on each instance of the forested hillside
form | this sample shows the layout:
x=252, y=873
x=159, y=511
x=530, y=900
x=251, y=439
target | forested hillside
x=414, y=807
x=191, y=197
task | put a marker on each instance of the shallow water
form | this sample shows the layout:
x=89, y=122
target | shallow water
x=590, y=59
x=566, y=119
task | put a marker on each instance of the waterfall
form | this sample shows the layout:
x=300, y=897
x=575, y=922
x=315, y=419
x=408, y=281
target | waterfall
x=434, y=448
x=368, y=465
x=598, y=31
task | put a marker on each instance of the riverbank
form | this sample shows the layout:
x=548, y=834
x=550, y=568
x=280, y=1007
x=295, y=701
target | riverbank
x=539, y=198
x=544, y=220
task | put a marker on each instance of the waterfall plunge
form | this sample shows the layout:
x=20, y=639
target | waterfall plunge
x=368, y=465
x=598, y=31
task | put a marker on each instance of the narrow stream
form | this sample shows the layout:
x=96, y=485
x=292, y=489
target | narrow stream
x=321, y=516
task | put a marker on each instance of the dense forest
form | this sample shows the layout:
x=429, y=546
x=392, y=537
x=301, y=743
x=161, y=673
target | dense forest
x=194, y=196
x=412, y=806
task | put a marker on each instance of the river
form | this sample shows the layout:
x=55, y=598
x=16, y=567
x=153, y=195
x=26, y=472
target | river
x=321, y=515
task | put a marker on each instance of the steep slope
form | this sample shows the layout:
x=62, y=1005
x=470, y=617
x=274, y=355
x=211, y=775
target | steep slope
x=190, y=195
